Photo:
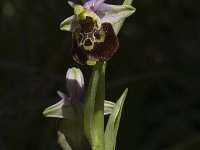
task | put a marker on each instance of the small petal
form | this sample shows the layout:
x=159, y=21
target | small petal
x=114, y=13
x=69, y=24
x=75, y=83
x=72, y=4
x=63, y=96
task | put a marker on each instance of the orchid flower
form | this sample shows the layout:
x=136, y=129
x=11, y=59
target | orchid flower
x=92, y=30
x=71, y=107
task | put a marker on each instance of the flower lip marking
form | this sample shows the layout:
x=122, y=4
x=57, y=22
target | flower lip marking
x=88, y=21
x=88, y=42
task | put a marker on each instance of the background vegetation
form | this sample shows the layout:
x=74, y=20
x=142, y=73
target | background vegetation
x=158, y=59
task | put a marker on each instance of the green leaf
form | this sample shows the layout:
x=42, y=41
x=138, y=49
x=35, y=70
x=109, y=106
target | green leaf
x=113, y=123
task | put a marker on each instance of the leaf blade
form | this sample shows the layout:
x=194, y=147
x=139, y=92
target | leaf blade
x=113, y=123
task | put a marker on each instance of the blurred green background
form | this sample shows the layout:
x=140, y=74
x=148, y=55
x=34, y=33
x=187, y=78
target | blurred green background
x=158, y=59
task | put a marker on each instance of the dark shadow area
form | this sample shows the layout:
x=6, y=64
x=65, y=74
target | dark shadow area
x=158, y=59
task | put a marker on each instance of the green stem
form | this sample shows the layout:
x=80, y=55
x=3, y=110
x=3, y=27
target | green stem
x=99, y=104
x=94, y=107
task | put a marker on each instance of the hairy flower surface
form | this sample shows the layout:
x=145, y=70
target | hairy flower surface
x=92, y=27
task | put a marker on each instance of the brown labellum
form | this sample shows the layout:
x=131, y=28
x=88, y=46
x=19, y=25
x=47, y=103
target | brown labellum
x=93, y=43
